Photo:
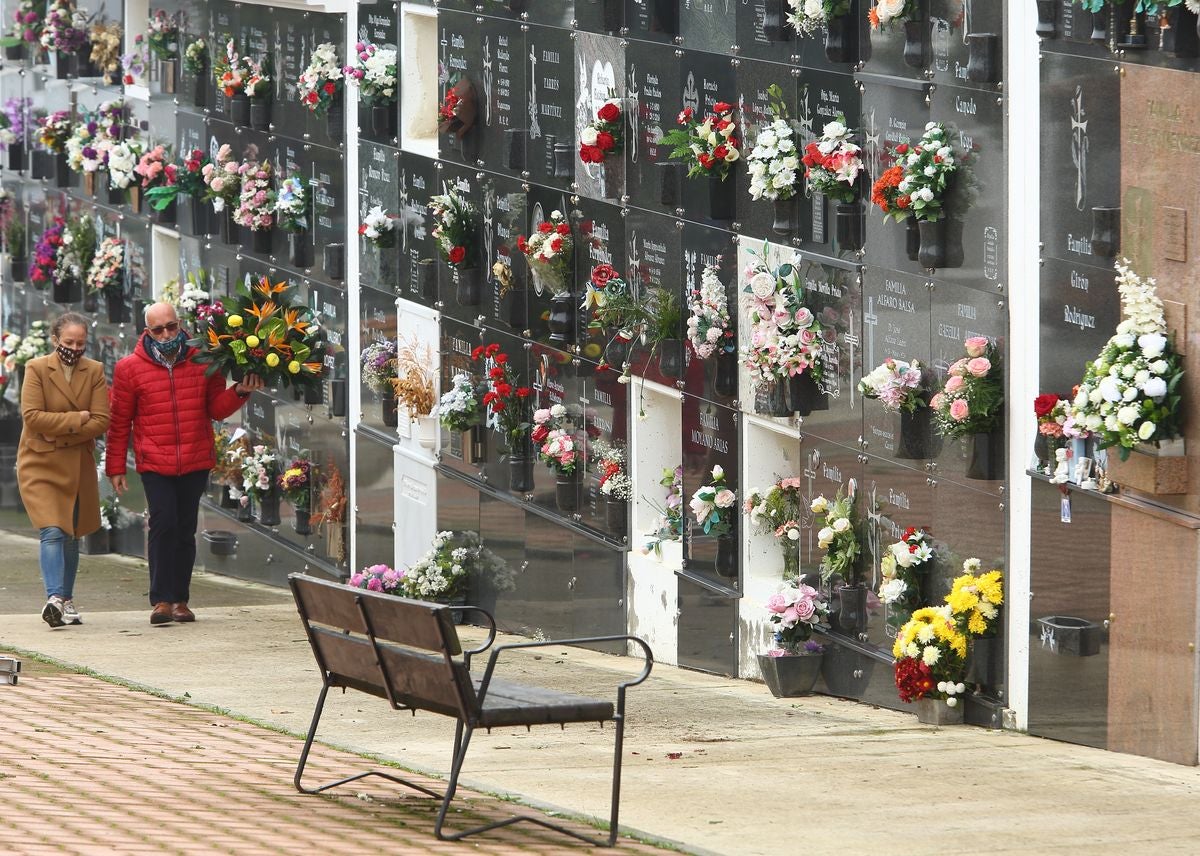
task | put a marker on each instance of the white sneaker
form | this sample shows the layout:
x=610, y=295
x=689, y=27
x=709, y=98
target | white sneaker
x=52, y=612
x=70, y=614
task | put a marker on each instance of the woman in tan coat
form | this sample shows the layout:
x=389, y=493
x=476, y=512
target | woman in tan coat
x=64, y=405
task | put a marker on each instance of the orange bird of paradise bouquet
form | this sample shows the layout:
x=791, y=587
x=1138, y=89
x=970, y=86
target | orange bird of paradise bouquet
x=265, y=333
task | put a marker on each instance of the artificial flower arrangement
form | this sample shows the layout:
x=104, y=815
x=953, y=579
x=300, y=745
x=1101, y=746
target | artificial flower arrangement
x=36, y=343
x=901, y=568
x=454, y=228
x=59, y=32
x=708, y=322
x=77, y=250
x=1056, y=423
x=54, y=131
x=136, y=63
x=222, y=179
x=973, y=395
x=295, y=482
x=975, y=599
x=458, y=408
x=884, y=12
x=14, y=119
x=506, y=402
x=259, y=469
x=773, y=161
x=458, y=110
x=193, y=301
x=709, y=148
x=330, y=509
x=184, y=177
x=292, y=203
x=256, y=200
x=105, y=37
x=612, y=467
x=85, y=152
x=195, y=56
x=379, y=578
x=379, y=228
x=795, y=611
x=162, y=34
x=777, y=512
x=231, y=70
x=1130, y=392
x=155, y=169
x=556, y=445
x=916, y=184
x=258, y=79
x=809, y=16
x=123, y=159
x=441, y=573
x=29, y=18
x=786, y=339
x=413, y=384
x=837, y=536
x=321, y=80
x=45, y=254
x=373, y=71
x=107, y=273
x=605, y=290
x=895, y=384
x=378, y=362
x=713, y=505
x=669, y=524
x=601, y=137
x=264, y=333
x=930, y=657
x=549, y=251
x=833, y=164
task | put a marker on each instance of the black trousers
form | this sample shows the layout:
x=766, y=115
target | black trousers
x=174, y=505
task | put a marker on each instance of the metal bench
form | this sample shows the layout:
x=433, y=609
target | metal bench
x=408, y=652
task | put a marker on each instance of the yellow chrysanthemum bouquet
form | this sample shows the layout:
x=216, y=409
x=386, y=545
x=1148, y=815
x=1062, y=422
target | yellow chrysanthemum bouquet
x=264, y=333
x=975, y=601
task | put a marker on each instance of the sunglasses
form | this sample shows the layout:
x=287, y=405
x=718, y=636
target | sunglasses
x=173, y=327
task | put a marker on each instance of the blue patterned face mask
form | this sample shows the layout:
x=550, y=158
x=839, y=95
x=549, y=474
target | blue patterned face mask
x=170, y=347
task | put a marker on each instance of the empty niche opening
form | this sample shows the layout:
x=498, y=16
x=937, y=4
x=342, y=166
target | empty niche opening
x=419, y=79
x=657, y=452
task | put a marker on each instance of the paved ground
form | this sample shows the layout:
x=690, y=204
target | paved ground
x=716, y=765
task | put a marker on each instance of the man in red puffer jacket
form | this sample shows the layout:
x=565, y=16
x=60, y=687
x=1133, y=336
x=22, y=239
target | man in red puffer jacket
x=169, y=403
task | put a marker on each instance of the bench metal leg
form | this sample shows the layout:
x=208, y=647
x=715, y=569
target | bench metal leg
x=461, y=743
x=308, y=741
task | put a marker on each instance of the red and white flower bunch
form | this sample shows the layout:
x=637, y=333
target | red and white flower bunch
x=602, y=136
x=549, y=250
x=833, y=163
x=107, y=272
x=557, y=447
x=886, y=11
x=794, y=611
x=1053, y=414
x=321, y=80
x=231, y=70
x=709, y=148
x=917, y=182
x=260, y=468
x=899, y=568
x=378, y=227
x=973, y=394
x=454, y=231
x=896, y=384
x=708, y=324
x=614, y=476
x=256, y=203
x=786, y=339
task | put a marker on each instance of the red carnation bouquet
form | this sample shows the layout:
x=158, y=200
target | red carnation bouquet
x=602, y=136
x=506, y=402
x=709, y=148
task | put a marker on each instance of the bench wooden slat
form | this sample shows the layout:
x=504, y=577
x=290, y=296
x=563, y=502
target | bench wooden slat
x=348, y=657
x=509, y=703
x=412, y=622
x=428, y=683
x=326, y=603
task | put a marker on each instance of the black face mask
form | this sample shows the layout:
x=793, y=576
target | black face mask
x=68, y=356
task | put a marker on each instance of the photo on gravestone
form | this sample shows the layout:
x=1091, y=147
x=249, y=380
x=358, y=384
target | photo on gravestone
x=967, y=43
x=503, y=217
x=291, y=34
x=707, y=81
x=891, y=116
x=377, y=362
x=651, y=77
x=1080, y=309
x=225, y=27
x=378, y=114
x=768, y=96
x=551, y=154
x=378, y=216
x=709, y=25
x=710, y=314
x=897, y=421
x=327, y=127
x=560, y=447
x=959, y=313
x=418, y=254
x=1080, y=117
x=972, y=227
x=465, y=440
x=502, y=122
x=834, y=226
x=456, y=240
x=652, y=20
x=654, y=261
x=600, y=256
x=460, y=87
x=550, y=256
x=599, y=149
x=711, y=490
x=608, y=490
x=894, y=498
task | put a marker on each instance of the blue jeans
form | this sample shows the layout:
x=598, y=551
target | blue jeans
x=60, y=561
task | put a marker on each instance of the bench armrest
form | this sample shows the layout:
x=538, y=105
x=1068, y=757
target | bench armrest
x=647, y=654
x=467, y=653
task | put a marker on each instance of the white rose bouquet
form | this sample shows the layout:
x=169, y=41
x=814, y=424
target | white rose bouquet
x=774, y=162
x=808, y=16
x=886, y=11
x=1130, y=392
x=714, y=505
x=837, y=537
x=900, y=569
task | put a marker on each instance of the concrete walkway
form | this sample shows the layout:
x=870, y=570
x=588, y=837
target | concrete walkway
x=716, y=765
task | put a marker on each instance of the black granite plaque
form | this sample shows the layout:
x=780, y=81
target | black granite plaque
x=466, y=183
x=758, y=108
x=379, y=185
x=654, y=259
x=551, y=151
x=710, y=439
x=378, y=25
x=1080, y=309
x=418, y=253
x=715, y=377
x=600, y=235
x=460, y=70
x=378, y=322
x=503, y=118
x=704, y=84
x=708, y=25
x=600, y=62
x=653, y=182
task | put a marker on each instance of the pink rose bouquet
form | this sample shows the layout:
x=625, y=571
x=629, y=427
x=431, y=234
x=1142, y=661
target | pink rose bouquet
x=256, y=203
x=222, y=179
x=381, y=578
x=972, y=397
x=794, y=611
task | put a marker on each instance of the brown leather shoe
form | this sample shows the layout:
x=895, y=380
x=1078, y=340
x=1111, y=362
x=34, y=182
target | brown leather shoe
x=161, y=614
x=180, y=612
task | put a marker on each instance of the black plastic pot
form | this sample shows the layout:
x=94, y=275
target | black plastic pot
x=916, y=440
x=983, y=58
x=985, y=456
x=200, y=88
x=66, y=291
x=1106, y=231
x=670, y=183
x=850, y=226
x=260, y=114
x=221, y=542
x=383, y=120
x=268, y=508
x=390, y=409
x=852, y=609
x=561, y=319
x=564, y=160
x=115, y=304
x=301, y=523
x=197, y=215
x=804, y=396
x=670, y=357
x=616, y=516
x=427, y=280
x=785, y=216
x=983, y=661
x=64, y=65
x=41, y=164
x=14, y=53
x=116, y=195
x=770, y=400
x=1184, y=41
x=263, y=240
x=165, y=216
x=227, y=500
x=933, y=243
x=335, y=261
x=840, y=36
x=337, y=397
x=916, y=43
x=300, y=250
x=335, y=119
x=468, y=285
x=520, y=466
x=1046, y=28
x=912, y=239
x=1100, y=27
x=515, y=148
x=726, y=381
x=239, y=110
x=722, y=200
x=566, y=492
x=18, y=268
x=62, y=172
x=91, y=301
x=725, y=564
x=314, y=393
x=228, y=227
x=16, y=156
